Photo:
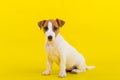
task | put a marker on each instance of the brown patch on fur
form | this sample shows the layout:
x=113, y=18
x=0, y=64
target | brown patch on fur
x=74, y=67
x=55, y=23
x=41, y=23
x=60, y=22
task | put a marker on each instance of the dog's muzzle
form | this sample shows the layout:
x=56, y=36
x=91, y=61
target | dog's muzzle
x=50, y=38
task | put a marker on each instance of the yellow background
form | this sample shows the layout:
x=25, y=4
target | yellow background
x=92, y=26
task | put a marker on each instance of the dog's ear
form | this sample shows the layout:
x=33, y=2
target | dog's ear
x=41, y=23
x=60, y=22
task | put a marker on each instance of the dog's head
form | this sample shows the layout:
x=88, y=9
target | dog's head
x=51, y=28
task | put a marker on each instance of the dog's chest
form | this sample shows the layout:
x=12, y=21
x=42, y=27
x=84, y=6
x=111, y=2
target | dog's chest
x=53, y=53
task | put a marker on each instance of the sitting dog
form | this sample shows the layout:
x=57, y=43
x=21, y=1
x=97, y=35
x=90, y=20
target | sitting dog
x=59, y=51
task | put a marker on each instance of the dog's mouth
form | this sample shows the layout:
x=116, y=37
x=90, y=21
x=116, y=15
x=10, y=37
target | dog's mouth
x=50, y=40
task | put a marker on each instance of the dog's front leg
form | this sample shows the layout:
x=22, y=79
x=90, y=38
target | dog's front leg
x=49, y=66
x=62, y=66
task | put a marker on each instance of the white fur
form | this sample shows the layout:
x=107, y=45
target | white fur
x=50, y=32
x=63, y=54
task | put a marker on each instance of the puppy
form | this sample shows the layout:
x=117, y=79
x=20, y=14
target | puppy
x=59, y=51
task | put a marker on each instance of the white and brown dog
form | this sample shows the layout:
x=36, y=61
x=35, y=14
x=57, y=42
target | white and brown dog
x=60, y=51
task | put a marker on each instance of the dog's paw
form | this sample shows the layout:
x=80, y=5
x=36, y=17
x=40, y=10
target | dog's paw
x=62, y=74
x=75, y=71
x=46, y=72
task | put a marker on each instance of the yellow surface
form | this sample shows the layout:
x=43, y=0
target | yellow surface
x=92, y=26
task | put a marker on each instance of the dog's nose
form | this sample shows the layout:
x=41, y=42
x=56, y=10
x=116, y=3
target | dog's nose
x=50, y=37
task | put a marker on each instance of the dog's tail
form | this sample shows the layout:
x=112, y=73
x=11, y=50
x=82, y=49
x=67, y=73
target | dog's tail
x=90, y=67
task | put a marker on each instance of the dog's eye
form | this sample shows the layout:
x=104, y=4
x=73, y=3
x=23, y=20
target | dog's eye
x=55, y=28
x=46, y=28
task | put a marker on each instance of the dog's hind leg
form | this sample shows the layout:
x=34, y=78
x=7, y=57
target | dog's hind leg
x=79, y=69
x=75, y=71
